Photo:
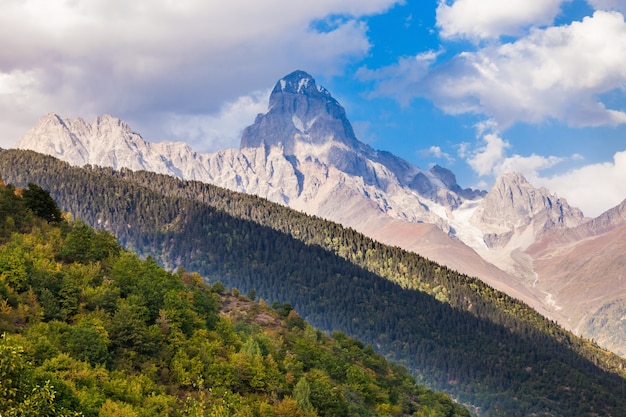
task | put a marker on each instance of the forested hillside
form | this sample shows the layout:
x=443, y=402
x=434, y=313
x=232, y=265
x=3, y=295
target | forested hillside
x=451, y=331
x=89, y=329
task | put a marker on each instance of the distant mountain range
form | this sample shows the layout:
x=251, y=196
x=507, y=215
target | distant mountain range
x=303, y=153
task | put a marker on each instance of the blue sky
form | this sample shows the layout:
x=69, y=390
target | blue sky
x=479, y=86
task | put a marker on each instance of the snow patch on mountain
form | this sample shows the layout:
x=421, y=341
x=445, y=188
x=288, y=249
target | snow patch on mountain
x=469, y=234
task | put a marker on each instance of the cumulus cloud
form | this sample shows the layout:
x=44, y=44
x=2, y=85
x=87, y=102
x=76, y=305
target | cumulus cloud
x=482, y=19
x=530, y=165
x=132, y=58
x=486, y=159
x=438, y=153
x=574, y=74
x=593, y=188
x=491, y=159
x=554, y=73
x=558, y=73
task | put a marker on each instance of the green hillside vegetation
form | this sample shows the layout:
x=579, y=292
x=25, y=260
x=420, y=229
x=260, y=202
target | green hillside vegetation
x=452, y=332
x=90, y=329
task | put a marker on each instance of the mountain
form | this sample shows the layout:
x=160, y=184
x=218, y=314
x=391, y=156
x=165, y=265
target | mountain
x=513, y=215
x=485, y=349
x=303, y=153
x=513, y=205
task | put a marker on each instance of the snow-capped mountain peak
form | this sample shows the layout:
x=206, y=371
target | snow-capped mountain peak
x=299, y=82
x=298, y=105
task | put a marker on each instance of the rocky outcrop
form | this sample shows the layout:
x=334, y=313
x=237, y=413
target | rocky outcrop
x=513, y=207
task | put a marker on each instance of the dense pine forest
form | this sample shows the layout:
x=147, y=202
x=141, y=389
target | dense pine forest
x=88, y=329
x=451, y=331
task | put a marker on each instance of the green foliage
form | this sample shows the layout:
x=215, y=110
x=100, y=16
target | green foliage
x=26, y=392
x=89, y=341
x=96, y=331
x=302, y=395
x=13, y=217
x=41, y=203
x=13, y=266
x=83, y=244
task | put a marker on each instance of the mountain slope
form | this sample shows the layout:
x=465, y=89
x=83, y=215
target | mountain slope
x=576, y=266
x=477, y=344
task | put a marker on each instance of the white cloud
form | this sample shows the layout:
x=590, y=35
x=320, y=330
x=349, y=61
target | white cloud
x=593, y=188
x=554, y=73
x=484, y=126
x=530, y=166
x=140, y=57
x=438, y=153
x=491, y=159
x=481, y=19
x=464, y=149
x=557, y=73
x=23, y=101
x=617, y=5
x=485, y=160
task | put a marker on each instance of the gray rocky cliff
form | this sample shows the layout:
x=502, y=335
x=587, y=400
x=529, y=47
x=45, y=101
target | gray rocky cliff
x=513, y=205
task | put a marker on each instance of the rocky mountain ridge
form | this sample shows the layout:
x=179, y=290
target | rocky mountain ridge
x=513, y=203
x=303, y=153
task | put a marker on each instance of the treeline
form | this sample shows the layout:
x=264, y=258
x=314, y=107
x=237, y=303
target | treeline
x=88, y=329
x=454, y=334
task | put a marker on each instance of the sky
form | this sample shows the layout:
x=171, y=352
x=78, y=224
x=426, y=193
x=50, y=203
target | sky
x=481, y=87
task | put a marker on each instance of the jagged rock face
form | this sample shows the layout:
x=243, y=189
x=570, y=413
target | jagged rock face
x=300, y=111
x=108, y=141
x=514, y=204
x=54, y=136
x=308, y=124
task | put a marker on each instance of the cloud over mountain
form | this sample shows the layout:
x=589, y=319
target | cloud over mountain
x=162, y=59
x=568, y=74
